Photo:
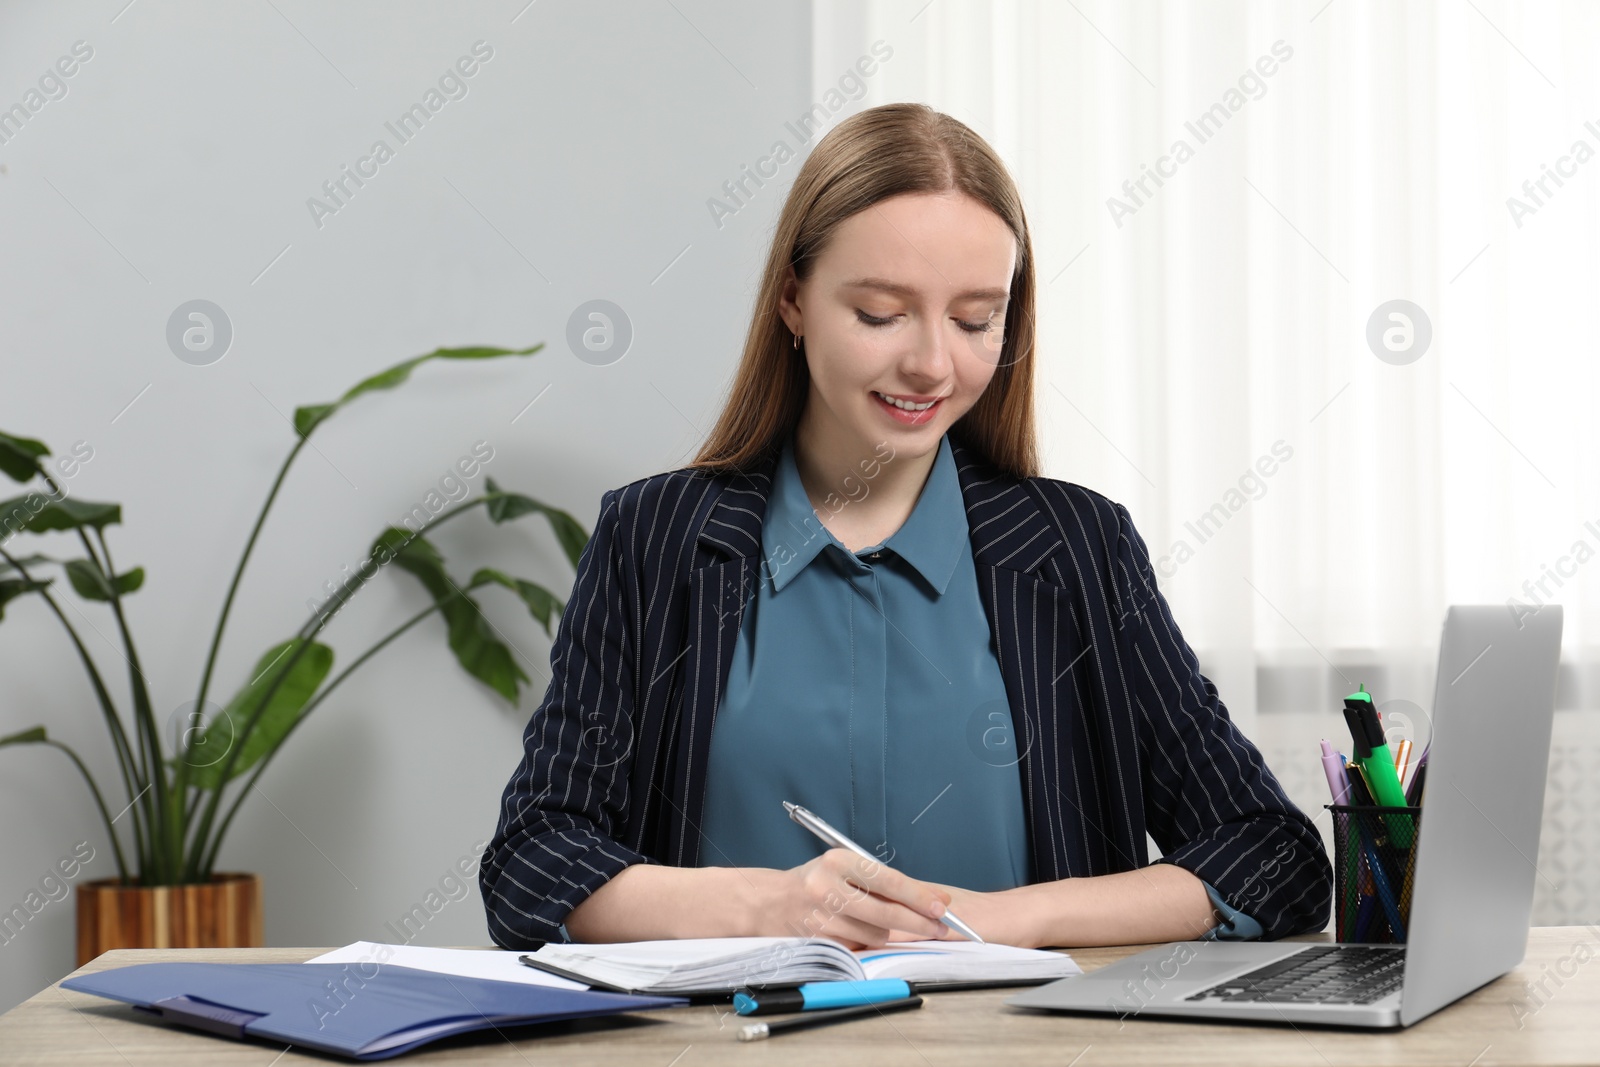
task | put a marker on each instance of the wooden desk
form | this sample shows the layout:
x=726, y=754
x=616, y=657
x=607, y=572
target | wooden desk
x=1503, y=1023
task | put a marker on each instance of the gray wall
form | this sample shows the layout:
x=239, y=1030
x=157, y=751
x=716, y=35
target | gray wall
x=177, y=166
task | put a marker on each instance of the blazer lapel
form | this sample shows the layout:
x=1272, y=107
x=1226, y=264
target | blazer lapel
x=1036, y=641
x=721, y=581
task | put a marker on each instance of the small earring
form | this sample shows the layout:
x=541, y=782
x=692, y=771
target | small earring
x=797, y=342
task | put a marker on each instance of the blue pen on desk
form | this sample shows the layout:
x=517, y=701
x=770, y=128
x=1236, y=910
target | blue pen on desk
x=814, y=995
x=837, y=840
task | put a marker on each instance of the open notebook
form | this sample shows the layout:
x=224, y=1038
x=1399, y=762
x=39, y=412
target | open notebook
x=702, y=965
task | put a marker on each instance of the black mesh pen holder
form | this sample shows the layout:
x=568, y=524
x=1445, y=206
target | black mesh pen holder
x=1374, y=864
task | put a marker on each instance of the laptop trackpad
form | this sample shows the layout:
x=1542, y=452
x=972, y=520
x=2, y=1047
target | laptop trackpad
x=1201, y=972
x=1128, y=986
x=1170, y=973
x=1192, y=975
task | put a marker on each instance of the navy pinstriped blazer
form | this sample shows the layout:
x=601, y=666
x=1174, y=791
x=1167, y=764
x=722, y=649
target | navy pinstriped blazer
x=1120, y=732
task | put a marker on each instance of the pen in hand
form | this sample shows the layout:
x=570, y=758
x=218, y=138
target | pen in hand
x=834, y=838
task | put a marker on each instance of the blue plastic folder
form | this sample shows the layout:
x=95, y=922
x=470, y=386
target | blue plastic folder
x=366, y=1012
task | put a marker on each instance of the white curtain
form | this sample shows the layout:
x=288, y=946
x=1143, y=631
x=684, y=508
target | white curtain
x=1334, y=157
x=1201, y=331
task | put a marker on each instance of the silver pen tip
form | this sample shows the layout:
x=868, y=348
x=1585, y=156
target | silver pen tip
x=961, y=928
x=753, y=1032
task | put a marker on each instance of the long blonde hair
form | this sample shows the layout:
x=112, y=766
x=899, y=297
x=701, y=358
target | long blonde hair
x=871, y=156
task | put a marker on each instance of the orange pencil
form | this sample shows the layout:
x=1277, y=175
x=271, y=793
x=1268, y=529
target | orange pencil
x=1402, y=756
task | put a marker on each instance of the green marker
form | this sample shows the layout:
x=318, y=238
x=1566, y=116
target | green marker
x=1372, y=753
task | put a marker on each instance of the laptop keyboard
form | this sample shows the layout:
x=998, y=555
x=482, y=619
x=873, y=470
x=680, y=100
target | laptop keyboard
x=1324, y=974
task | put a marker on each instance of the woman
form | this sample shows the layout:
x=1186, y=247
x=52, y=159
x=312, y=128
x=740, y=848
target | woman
x=862, y=597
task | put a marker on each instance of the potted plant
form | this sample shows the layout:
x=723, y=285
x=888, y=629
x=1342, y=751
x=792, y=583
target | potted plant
x=183, y=792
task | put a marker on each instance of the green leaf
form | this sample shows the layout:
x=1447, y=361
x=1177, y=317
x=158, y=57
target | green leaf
x=37, y=512
x=26, y=561
x=309, y=417
x=208, y=748
x=26, y=737
x=19, y=456
x=11, y=588
x=90, y=581
x=542, y=604
x=477, y=648
x=510, y=506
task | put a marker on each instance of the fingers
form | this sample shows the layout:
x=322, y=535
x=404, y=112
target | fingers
x=842, y=895
x=855, y=933
x=888, y=915
x=890, y=900
x=925, y=898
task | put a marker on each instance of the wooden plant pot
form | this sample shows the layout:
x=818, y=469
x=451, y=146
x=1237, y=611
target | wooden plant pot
x=222, y=913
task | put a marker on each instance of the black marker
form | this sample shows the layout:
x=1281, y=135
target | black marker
x=758, y=1031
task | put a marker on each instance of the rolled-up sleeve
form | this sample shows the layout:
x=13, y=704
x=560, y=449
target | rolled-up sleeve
x=554, y=844
x=1235, y=925
x=1211, y=804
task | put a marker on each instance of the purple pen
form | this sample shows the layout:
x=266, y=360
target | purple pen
x=1333, y=767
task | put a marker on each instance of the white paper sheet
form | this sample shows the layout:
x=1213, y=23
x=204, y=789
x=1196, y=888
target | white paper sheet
x=499, y=965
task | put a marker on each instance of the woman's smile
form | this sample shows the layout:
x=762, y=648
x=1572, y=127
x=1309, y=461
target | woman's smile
x=911, y=409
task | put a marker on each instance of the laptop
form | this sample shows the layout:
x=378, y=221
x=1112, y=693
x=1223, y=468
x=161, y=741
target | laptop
x=1472, y=895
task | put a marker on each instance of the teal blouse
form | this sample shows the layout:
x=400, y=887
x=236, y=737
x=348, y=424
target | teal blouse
x=864, y=686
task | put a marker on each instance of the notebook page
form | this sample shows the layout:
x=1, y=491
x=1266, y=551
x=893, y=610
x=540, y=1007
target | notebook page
x=496, y=964
x=704, y=963
x=960, y=961
x=662, y=955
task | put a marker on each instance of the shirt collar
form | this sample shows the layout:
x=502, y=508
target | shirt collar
x=931, y=539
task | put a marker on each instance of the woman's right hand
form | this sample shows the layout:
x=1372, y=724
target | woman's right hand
x=845, y=897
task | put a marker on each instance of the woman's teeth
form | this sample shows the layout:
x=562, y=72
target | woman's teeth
x=904, y=405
